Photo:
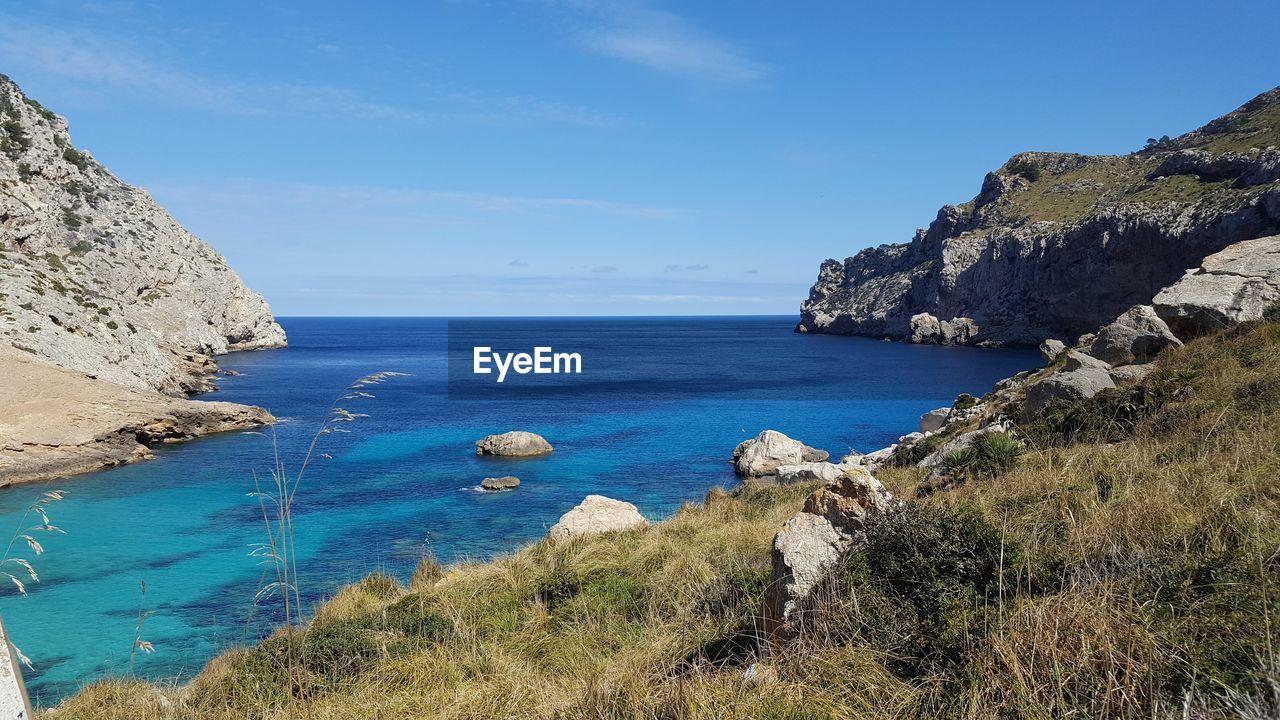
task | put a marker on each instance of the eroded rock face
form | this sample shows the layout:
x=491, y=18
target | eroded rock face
x=597, y=514
x=1013, y=266
x=762, y=455
x=814, y=540
x=516, y=443
x=96, y=277
x=1229, y=287
x=1137, y=336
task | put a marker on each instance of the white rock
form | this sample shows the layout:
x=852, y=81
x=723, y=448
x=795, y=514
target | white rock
x=597, y=514
x=765, y=453
x=1229, y=287
x=808, y=472
x=516, y=443
x=934, y=420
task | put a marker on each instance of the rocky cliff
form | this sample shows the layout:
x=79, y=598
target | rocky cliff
x=1057, y=244
x=113, y=310
x=96, y=277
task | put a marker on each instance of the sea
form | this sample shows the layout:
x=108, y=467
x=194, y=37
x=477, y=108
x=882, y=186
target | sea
x=651, y=418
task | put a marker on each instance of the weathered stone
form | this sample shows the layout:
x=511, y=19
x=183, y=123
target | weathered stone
x=1229, y=287
x=808, y=472
x=1050, y=349
x=1131, y=374
x=811, y=543
x=1074, y=386
x=1134, y=337
x=1077, y=360
x=925, y=328
x=595, y=515
x=516, y=443
x=765, y=453
x=934, y=420
x=506, y=482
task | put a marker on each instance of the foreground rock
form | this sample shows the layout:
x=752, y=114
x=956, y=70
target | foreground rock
x=59, y=422
x=1073, y=386
x=1137, y=336
x=1229, y=287
x=934, y=420
x=808, y=472
x=1056, y=244
x=517, y=443
x=762, y=455
x=597, y=514
x=814, y=540
x=495, y=484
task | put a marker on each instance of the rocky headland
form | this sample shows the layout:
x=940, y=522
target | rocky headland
x=1056, y=244
x=110, y=312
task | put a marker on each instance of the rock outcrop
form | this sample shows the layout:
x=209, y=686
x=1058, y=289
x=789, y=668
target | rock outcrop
x=1137, y=336
x=516, y=443
x=597, y=514
x=96, y=277
x=1057, y=244
x=934, y=420
x=762, y=455
x=495, y=484
x=59, y=422
x=814, y=540
x=123, y=306
x=1229, y=287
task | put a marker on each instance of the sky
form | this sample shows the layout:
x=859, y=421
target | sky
x=585, y=157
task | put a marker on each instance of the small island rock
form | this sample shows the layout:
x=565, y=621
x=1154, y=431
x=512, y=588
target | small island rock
x=506, y=482
x=517, y=443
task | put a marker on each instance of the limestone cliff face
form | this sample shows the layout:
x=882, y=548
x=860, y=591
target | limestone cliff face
x=1058, y=244
x=96, y=277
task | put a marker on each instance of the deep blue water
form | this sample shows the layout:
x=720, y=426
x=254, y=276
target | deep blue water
x=401, y=483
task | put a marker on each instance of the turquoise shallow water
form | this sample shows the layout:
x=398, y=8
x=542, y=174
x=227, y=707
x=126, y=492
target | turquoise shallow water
x=401, y=484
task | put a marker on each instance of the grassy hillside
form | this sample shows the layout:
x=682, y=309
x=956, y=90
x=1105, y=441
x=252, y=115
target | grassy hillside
x=1126, y=565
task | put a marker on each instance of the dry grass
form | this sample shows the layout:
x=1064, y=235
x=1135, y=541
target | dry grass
x=1132, y=579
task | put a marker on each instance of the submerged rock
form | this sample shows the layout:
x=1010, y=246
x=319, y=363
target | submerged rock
x=516, y=443
x=506, y=482
x=765, y=453
x=597, y=514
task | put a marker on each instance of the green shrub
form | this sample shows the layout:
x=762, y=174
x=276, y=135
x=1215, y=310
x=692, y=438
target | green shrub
x=920, y=590
x=964, y=401
x=906, y=455
x=77, y=158
x=1024, y=167
x=989, y=455
x=1272, y=312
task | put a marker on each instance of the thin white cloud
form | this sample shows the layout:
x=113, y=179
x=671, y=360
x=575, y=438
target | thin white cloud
x=640, y=33
x=373, y=202
x=95, y=61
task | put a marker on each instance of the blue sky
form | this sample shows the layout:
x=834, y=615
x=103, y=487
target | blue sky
x=590, y=157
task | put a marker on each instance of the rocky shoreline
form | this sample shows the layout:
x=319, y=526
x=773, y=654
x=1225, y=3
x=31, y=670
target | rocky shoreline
x=59, y=423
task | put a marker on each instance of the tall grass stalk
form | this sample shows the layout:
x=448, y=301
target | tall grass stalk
x=276, y=502
x=25, y=534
